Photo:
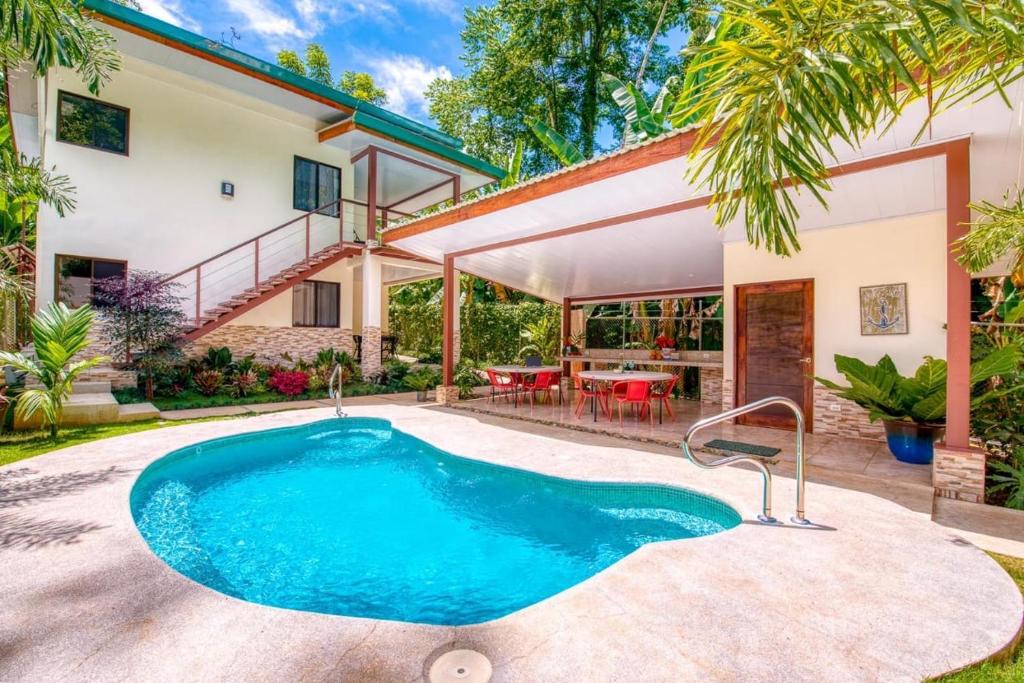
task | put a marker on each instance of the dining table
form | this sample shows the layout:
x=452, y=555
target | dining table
x=517, y=373
x=612, y=376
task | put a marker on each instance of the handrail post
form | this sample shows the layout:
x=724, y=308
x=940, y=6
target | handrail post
x=341, y=221
x=256, y=267
x=766, y=499
x=307, y=236
x=336, y=393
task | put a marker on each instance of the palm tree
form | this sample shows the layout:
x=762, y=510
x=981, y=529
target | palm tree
x=58, y=335
x=795, y=75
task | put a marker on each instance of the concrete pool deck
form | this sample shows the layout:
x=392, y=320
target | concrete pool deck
x=878, y=592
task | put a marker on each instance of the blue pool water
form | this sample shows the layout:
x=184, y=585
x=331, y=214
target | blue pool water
x=353, y=517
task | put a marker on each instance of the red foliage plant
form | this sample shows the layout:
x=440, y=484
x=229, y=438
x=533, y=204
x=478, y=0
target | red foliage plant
x=289, y=383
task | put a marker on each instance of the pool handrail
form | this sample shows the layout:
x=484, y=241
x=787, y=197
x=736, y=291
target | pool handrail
x=336, y=393
x=766, y=497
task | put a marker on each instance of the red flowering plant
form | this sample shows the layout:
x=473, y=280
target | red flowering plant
x=290, y=383
x=665, y=342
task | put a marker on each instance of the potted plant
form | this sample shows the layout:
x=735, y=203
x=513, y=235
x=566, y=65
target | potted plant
x=419, y=382
x=666, y=344
x=913, y=409
x=572, y=347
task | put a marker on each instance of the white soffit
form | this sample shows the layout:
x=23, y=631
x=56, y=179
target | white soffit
x=398, y=178
x=201, y=75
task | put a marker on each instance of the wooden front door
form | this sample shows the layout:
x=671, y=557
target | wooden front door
x=775, y=349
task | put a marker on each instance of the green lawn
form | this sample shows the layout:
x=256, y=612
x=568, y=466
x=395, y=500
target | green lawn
x=1010, y=670
x=15, y=446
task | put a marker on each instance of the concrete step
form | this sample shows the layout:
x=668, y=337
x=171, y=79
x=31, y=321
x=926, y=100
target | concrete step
x=79, y=409
x=87, y=386
x=134, y=412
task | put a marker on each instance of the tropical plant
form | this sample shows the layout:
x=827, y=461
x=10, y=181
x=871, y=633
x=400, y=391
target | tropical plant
x=564, y=151
x=219, y=359
x=421, y=380
x=513, y=167
x=245, y=383
x=49, y=33
x=142, y=320
x=998, y=232
x=887, y=395
x=208, y=382
x=1008, y=478
x=542, y=336
x=799, y=75
x=466, y=377
x=58, y=335
x=289, y=383
x=643, y=120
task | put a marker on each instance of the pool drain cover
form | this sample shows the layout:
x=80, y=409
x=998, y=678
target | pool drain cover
x=460, y=666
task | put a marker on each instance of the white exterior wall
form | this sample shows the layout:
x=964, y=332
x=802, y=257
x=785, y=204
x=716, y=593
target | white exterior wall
x=909, y=249
x=160, y=208
x=277, y=311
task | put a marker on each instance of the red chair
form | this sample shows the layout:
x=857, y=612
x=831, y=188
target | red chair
x=634, y=393
x=501, y=385
x=664, y=394
x=542, y=382
x=591, y=390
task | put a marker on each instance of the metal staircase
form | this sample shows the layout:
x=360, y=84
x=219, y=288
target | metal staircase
x=226, y=285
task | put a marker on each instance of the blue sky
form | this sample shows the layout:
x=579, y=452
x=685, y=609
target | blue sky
x=404, y=44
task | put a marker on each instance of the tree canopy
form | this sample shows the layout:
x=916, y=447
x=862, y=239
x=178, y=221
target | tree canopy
x=544, y=60
x=798, y=75
x=317, y=66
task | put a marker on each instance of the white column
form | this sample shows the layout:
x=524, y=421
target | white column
x=372, y=285
x=348, y=304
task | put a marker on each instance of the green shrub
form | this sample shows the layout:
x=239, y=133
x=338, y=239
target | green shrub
x=490, y=332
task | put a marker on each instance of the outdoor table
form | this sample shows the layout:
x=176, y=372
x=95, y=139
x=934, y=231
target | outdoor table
x=626, y=376
x=517, y=372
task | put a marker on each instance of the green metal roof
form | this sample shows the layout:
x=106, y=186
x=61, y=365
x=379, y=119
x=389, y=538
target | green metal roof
x=368, y=115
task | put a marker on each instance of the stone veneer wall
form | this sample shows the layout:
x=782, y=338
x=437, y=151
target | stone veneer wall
x=728, y=393
x=371, y=350
x=959, y=474
x=711, y=385
x=446, y=395
x=268, y=343
x=851, y=420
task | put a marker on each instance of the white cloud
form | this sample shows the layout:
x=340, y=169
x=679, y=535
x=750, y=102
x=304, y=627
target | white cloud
x=267, y=21
x=405, y=78
x=316, y=13
x=450, y=8
x=171, y=12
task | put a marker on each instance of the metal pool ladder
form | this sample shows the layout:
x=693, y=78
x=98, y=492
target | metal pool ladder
x=766, y=498
x=336, y=376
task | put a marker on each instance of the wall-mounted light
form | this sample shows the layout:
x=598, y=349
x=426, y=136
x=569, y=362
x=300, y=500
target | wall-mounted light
x=227, y=189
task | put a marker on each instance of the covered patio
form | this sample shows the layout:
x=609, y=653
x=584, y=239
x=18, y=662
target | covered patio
x=627, y=227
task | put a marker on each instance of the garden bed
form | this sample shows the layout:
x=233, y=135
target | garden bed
x=188, y=399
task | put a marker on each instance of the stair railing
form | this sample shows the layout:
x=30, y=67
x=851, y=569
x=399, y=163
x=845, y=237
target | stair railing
x=766, y=475
x=251, y=263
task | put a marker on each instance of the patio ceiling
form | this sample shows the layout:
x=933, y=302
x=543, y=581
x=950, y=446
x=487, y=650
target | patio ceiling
x=585, y=242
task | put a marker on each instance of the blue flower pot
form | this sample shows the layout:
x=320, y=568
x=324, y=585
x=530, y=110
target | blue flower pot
x=912, y=442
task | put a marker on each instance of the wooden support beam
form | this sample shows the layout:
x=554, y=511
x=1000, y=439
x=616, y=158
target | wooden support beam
x=448, y=313
x=958, y=297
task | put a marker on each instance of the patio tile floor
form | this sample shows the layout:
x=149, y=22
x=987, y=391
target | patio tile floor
x=826, y=454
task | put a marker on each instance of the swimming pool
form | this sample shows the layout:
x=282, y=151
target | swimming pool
x=353, y=517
